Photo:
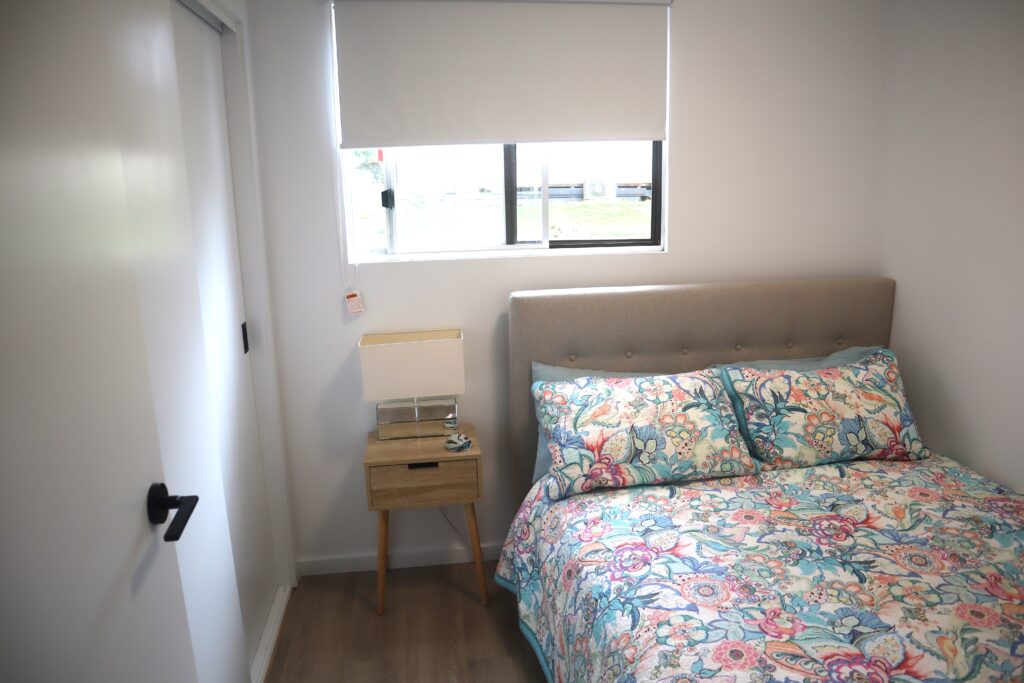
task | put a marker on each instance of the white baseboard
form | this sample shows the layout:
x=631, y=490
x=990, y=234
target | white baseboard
x=265, y=648
x=397, y=559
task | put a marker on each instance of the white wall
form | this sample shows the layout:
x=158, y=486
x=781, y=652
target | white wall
x=775, y=121
x=953, y=223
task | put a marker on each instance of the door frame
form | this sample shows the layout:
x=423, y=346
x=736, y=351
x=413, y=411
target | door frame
x=252, y=259
x=252, y=256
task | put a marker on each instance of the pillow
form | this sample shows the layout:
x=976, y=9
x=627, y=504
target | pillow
x=608, y=432
x=843, y=357
x=856, y=411
x=556, y=373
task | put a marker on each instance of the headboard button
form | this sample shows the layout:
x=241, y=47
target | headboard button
x=572, y=357
x=840, y=341
x=629, y=354
x=789, y=345
x=739, y=347
x=685, y=351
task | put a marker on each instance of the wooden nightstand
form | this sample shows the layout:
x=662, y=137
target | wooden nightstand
x=407, y=473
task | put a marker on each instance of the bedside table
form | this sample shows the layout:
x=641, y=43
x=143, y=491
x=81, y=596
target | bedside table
x=408, y=473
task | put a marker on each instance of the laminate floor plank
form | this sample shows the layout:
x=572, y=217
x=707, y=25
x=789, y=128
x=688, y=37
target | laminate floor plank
x=435, y=629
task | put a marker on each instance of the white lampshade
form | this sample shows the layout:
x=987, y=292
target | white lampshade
x=412, y=364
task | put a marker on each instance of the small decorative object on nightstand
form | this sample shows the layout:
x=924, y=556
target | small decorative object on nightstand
x=407, y=473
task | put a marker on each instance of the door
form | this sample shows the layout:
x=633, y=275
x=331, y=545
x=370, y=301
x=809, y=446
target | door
x=232, y=405
x=103, y=369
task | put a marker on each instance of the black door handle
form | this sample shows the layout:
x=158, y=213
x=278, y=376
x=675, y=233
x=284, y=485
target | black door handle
x=158, y=504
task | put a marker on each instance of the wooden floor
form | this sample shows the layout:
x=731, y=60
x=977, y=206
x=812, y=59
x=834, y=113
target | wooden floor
x=434, y=629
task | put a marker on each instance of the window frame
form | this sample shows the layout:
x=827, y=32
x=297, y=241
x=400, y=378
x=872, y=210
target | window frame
x=512, y=244
x=511, y=209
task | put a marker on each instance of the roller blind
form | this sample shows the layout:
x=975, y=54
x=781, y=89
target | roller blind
x=434, y=72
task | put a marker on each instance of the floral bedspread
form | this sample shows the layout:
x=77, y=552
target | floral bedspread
x=868, y=571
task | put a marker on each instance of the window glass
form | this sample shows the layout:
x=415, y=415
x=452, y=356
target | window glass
x=363, y=179
x=597, y=190
x=448, y=198
x=530, y=161
x=453, y=197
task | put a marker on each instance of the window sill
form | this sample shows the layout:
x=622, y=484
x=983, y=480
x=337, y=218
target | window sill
x=508, y=252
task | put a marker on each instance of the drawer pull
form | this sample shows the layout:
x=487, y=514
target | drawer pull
x=422, y=465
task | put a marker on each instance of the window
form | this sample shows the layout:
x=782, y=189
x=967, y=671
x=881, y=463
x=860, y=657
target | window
x=584, y=194
x=440, y=105
x=402, y=200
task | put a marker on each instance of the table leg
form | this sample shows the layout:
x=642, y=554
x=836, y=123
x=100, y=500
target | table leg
x=478, y=560
x=382, y=558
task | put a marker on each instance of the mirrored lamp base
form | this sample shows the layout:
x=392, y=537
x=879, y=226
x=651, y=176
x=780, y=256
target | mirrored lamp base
x=417, y=417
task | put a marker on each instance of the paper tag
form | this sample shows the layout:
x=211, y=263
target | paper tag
x=354, y=301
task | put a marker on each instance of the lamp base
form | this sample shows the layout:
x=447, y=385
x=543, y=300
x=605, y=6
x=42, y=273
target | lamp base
x=416, y=418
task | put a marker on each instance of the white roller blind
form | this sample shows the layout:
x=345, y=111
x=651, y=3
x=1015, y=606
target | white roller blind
x=415, y=72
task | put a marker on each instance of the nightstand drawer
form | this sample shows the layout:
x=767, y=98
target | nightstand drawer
x=424, y=483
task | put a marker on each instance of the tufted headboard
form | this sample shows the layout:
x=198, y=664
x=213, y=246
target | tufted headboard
x=678, y=328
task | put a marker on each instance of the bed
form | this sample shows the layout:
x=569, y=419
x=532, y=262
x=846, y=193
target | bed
x=854, y=571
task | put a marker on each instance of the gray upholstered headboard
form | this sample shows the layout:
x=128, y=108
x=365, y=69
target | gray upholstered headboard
x=678, y=328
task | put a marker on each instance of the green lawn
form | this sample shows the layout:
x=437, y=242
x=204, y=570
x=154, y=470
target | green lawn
x=482, y=221
x=591, y=218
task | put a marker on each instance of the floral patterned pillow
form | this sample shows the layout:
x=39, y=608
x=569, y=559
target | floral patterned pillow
x=852, y=412
x=615, y=432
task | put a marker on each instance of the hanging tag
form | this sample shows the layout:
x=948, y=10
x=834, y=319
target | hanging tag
x=354, y=301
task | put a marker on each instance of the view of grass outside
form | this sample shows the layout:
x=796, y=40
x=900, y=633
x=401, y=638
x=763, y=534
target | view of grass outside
x=455, y=221
x=451, y=198
x=591, y=219
x=575, y=170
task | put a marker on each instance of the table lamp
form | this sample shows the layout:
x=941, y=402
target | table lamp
x=414, y=377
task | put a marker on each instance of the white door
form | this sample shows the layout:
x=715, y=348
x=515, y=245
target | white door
x=232, y=405
x=104, y=383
